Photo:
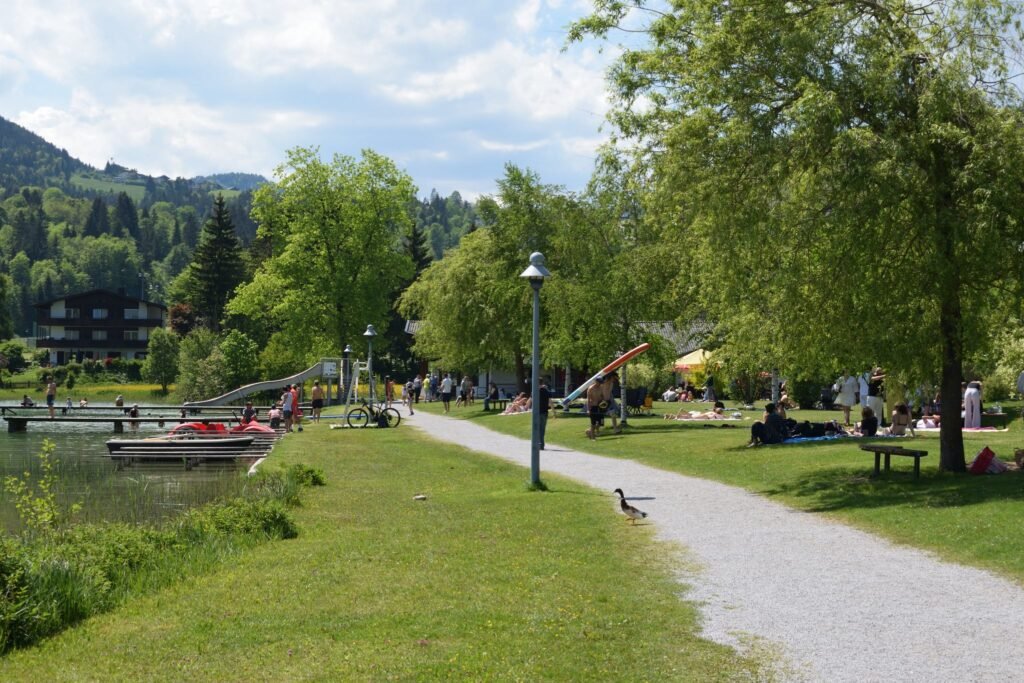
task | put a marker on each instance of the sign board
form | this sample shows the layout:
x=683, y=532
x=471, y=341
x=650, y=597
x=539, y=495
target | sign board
x=330, y=368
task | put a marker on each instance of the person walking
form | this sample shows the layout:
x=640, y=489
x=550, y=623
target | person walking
x=317, y=396
x=407, y=396
x=846, y=386
x=417, y=387
x=972, y=405
x=446, y=391
x=544, y=406
x=595, y=407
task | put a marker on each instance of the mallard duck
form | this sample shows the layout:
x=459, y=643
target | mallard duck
x=628, y=509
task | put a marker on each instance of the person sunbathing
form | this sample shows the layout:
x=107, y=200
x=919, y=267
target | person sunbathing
x=716, y=414
x=520, y=404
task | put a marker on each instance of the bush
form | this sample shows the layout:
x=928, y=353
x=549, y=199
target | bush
x=805, y=393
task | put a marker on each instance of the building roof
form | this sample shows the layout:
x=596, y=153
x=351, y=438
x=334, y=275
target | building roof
x=107, y=292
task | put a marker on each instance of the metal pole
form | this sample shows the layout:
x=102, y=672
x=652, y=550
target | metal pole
x=369, y=367
x=623, y=408
x=535, y=441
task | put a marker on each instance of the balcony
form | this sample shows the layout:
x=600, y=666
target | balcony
x=105, y=323
x=112, y=344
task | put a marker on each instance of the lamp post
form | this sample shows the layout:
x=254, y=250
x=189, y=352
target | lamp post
x=370, y=334
x=536, y=274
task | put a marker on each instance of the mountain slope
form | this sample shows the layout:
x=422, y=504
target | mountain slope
x=27, y=159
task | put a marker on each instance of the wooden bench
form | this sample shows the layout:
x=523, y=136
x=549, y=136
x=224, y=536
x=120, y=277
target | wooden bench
x=890, y=450
x=497, y=404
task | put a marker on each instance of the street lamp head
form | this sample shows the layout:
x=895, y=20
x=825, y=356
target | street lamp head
x=370, y=332
x=348, y=349
x=536, y=271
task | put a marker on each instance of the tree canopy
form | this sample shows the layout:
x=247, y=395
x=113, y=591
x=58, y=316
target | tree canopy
x=843, y=176
x=334, y=232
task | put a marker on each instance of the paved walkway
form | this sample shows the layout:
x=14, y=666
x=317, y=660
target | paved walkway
x=837, y=604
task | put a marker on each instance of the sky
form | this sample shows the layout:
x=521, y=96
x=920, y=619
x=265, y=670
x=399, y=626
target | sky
x=452, y=90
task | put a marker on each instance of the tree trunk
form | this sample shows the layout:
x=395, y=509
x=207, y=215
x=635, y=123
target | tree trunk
x=521, y=371
x=951, y=437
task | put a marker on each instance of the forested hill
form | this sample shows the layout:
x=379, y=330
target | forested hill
x=234, y=181
x=27, y=159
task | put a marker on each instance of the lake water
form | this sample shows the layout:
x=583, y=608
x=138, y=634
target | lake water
x=136, y=493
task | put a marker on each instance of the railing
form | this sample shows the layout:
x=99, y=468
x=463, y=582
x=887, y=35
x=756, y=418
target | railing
x=50, y=342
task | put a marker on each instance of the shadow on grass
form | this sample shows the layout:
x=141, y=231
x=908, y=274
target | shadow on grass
x=847, y=488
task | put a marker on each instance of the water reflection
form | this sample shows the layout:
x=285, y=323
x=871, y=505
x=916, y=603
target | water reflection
x=138, y=493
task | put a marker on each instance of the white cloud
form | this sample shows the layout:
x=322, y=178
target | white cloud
x=494, y=146
x=541, y=85
x=58, y=42
x=583, y=146
x=165, y=136
x=527, y=14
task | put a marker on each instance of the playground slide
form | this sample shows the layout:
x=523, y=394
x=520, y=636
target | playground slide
x=611, y=367
x=314, y=371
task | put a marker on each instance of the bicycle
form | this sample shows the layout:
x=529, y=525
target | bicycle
x=362, y=416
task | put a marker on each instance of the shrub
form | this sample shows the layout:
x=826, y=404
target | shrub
x=266, y=518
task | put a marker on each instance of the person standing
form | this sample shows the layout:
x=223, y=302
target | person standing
x=972, y=405
x=389, y=390
x=846, y=387
x=248, y=413
x=709, y=388
x=875, y=393
x=611, y=383
x=428, y=386
x=544, y=406
x=296, y=410
x=417, y=387
x=287, y=406
x=446, y=391
x=51, y=396
x=318, y=400
x=862, y=387
x=596, y=407
x=464, y=386
x=407, y=396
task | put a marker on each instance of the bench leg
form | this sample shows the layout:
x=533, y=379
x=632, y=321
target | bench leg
x=917, y=467
x=878, y=464
x=887, y=458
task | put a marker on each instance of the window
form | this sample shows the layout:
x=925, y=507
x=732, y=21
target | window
x=43, y=332
x=132, y=314
x=131, y=335
x=99, y=313
x=72, y=313
x=71, y=334
x=99, y=335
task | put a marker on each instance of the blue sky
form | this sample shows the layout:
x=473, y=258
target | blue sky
x=450, y=90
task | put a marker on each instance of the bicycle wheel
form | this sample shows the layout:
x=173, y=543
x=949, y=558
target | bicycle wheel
x=394, y=417
x=358, y=417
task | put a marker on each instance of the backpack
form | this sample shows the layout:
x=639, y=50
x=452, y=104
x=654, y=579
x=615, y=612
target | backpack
x=382, y=420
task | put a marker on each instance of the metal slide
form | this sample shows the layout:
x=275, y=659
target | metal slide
x=314, y=371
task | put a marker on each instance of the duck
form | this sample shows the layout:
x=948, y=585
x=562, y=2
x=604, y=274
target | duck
x=628, y=509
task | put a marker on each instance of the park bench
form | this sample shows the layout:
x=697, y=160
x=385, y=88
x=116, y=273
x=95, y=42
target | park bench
x=497, y=404
x=888, y=451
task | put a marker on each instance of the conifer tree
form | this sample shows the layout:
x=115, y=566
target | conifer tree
x=98, y=222
x=126, y=220
x=217, y=267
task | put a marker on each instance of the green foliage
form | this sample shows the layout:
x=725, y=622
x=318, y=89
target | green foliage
x=37, y=503
x=797, y=150
x=263, y=518
x=306, y=475
x=241, y=359
x=14, y=352
x=200, y=366
x=334, y=232
x=161, y=364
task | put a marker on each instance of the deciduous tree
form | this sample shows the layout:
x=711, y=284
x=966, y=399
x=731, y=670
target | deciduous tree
x=844, y=176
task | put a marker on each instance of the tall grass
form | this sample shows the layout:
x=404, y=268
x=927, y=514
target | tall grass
x=54, y=574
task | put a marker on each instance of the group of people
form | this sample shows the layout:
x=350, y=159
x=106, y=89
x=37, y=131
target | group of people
x=443, y=389
x=688, y=392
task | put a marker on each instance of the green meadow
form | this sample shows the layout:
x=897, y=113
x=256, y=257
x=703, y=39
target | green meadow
x=481, y=580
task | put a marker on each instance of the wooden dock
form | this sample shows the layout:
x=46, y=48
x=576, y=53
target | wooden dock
x=192, y=455
x=18, y=417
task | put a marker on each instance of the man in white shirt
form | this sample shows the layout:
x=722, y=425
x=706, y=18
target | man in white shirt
x=446, y=391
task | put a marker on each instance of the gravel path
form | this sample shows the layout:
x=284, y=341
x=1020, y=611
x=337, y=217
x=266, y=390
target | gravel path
x=836, y=604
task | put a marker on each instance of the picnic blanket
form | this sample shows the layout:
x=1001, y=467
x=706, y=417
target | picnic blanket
x=966, y=429
x=803, y=439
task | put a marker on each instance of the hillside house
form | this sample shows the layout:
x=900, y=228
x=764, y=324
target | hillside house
x=97, y=324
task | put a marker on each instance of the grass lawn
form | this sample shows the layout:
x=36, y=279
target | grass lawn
x=106, y=185
x=483, y=580
x=969, y=519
